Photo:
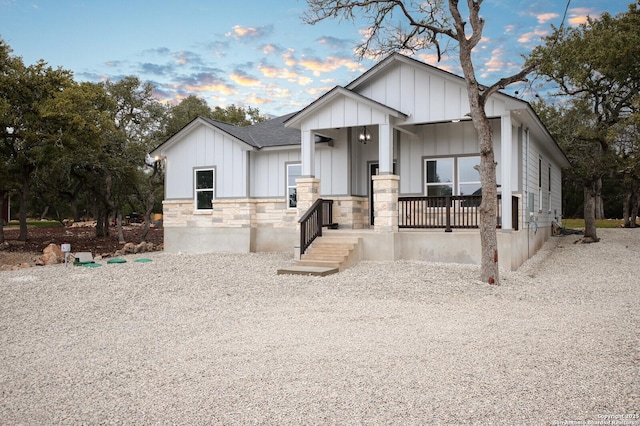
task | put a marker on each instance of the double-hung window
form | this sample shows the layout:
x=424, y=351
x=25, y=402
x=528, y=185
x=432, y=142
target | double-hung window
x=294, y=171
x=204, y=188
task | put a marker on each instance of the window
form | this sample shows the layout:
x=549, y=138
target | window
x=549, y=193
x=294, y=171
x=539, y=184
x=439, y=182
x=468, y=176
x=440, y=173
x=204, y=188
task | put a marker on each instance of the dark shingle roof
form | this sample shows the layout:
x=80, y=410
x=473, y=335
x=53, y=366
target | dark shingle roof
x=267, y=133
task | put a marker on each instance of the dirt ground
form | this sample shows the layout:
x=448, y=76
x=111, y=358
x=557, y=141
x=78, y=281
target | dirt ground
x=82, y=239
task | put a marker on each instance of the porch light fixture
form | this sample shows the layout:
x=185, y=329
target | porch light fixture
x=364, y=136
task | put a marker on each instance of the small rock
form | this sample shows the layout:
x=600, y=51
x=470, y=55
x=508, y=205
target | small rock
x=129, y=248
x=52, y=254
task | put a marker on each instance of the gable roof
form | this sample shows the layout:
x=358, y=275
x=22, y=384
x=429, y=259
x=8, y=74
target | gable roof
x=269, y=133
x=333, y=94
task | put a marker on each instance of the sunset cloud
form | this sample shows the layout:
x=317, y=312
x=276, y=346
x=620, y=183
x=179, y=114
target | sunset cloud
x=240, y=32
x=331, y=63
x=543, y=18
x=243, y=79
x=532, y=36
x=579, y=15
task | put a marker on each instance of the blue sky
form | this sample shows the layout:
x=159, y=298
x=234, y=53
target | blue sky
x=255, y=53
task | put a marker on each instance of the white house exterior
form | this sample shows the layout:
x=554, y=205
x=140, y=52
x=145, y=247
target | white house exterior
x=397, y=133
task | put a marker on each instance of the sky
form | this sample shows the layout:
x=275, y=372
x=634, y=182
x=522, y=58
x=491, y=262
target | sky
x=251, y=53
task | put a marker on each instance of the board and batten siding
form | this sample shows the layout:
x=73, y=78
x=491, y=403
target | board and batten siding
x=536, y=158
x=206, y=147
x=439, y=140
x=424, y=96
x=268, y=171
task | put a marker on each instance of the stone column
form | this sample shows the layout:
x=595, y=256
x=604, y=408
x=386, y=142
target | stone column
x=307, y=191
x=385, y=202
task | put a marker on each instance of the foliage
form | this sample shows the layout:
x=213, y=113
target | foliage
x=73, y=148
x=192, y=106
x=596, y=70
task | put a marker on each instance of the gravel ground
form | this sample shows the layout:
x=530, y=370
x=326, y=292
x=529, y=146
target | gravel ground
x=222, y=339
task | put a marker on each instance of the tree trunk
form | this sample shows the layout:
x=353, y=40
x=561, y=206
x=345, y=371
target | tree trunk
x=626, y=209
x=635, y=205
x=590, y=193
x=100, y=214
x=149, y=202
x=2, y=200
x=121, y=239
x=24, y=197
x=599, y=202
x=44, y=213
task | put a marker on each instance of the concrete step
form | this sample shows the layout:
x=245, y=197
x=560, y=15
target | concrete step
x=319, y=263
x=327, y=250
x=324, y=256
x=319, y=271
x=332, y=246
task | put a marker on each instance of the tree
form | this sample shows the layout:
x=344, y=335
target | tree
x=24, y=131
x=137, y=118
x=596, y=67
x=430, y=25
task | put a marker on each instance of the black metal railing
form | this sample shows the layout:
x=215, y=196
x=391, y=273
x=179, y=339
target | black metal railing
x=319, y=214
x=450, y=212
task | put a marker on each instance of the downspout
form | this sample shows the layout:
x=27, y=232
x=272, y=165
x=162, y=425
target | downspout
x=526, y=185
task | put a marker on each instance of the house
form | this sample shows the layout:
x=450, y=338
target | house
x=391, y=156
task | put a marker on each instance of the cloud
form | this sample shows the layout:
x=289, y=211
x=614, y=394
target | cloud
x=257, y=100
x=243, y=79
x=269, y=49
x=275, y=72
x=204, y=82
x=239, y=32
x=161, y=51
x=579, y=15
x=318, y=91
x=534, y=35
x=335, y=43
x=278, y=92
x=329, y=64
x=113, y=64
x=155, y=69
x=495, y=63
x=184, y=57
x=543, y=18
x=289, y=59
x=509, y=29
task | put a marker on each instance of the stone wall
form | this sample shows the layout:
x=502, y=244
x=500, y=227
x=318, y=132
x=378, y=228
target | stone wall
x=351, y=212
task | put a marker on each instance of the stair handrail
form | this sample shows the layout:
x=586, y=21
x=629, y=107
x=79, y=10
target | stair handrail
x=311, y=225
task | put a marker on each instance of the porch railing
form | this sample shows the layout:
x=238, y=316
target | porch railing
x=451, y=212
x=319, y=214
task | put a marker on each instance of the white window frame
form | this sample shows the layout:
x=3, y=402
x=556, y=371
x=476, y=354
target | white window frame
x=431, y=184
x=289, y=186
x=457, y=182
x=539, y=184
x=461, y=182
x=197, y=190
x=549, y=194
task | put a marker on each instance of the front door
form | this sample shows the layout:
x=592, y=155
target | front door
x=373, y=171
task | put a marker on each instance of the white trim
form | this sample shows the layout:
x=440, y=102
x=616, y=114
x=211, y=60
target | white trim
x=197, y=190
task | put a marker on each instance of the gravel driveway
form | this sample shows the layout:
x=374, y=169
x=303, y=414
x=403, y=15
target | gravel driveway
x=222, y=339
